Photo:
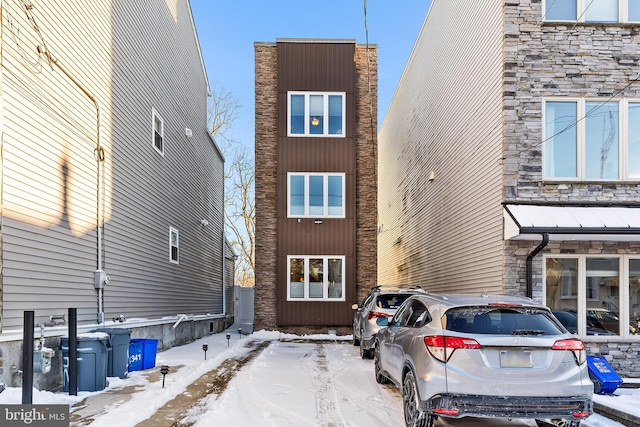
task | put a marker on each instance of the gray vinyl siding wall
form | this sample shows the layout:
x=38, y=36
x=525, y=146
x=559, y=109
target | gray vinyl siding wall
x=157, y=66
x=445, y=117
x=130, y=62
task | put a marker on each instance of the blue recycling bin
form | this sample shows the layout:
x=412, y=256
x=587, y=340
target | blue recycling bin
x=605, y=379
x=142, y=354
x=91, y=362
x=118, y=357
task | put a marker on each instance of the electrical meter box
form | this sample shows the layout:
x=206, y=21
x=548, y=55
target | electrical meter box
x=42, y=359
x=100, y=279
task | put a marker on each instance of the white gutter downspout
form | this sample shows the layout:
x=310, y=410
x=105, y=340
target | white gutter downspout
x=100, y=279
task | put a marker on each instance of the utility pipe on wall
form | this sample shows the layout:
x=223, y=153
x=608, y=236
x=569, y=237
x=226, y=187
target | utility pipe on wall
x=99, y=156
x=541, y=246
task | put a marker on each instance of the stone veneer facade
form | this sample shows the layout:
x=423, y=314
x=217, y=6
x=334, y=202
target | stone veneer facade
x=266, y=142
x=543, y=59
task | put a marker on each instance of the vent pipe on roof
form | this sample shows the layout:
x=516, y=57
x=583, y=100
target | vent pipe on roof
x=541, y=246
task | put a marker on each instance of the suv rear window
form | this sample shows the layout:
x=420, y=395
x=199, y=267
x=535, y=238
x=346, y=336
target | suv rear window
x=501, y=321
x=391, y=300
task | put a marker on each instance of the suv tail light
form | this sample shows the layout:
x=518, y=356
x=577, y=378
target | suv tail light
x=377, y=314
x=442, y=347
x=574, y=345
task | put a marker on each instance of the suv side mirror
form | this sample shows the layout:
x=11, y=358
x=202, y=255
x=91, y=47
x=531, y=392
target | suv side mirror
x=382, y=321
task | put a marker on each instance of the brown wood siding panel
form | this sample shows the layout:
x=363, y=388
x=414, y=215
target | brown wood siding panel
x=317, y=155
x=316, y=67
x=322, y=67
x=332, y=237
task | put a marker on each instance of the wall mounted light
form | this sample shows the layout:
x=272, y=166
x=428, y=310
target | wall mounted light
x=317, y=221
x=432, y=176
x=204, y=222
x=315, y=121
x=188, y=132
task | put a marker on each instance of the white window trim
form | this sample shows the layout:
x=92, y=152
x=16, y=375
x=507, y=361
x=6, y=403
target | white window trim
x=325, y=121
x=173, y=231
x=325, y=283
x=624, y=312
x=325, y=185
x=623, y=139
x=154, y=116
x=623, y=12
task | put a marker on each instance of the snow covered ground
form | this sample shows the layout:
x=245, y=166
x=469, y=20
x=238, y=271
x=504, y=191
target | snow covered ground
x=317, y=380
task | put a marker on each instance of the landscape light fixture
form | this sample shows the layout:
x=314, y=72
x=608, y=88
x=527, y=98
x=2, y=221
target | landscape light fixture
x=164, y=370
x=240, y=332
x=205, y=347
x=228, y=338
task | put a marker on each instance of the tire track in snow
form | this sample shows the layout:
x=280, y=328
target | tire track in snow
x=326, y=398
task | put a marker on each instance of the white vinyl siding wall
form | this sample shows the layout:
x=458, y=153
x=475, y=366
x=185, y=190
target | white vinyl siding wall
x=445, y=117
x=131, y=63
x=49, y=250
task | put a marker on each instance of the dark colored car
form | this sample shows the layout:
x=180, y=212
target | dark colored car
x=382, y=301
x=500, y=356
x=570, y=321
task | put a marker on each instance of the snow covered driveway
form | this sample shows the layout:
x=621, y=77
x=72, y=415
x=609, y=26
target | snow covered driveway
x=301, y=383
x=264, y=379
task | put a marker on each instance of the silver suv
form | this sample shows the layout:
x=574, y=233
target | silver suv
x=382, y=301
x=484, y=356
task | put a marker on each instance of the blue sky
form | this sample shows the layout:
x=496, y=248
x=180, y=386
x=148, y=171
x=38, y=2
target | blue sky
x=228, y=29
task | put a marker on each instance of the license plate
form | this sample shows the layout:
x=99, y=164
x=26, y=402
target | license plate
x=515, y=359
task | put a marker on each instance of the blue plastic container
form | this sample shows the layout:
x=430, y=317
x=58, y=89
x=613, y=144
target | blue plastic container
x=135, y=355
x=91, y=362
x=118, y=357
x=142, y=354
x=605, y=379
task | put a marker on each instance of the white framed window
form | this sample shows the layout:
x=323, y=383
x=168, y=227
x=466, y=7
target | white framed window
x=607, y=301
x=157, y=137
x=315, y=195
x=316, y=278
x=592, y=10
x=174, y=246
x=587, y=139
x=316, y=114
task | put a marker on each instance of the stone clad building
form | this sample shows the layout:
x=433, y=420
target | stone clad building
x=316, y=184
x=511, y=162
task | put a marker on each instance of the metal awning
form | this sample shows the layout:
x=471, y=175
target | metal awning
x=612, y=223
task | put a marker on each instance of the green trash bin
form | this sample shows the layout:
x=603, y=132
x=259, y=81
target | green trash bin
x=118, y=357
x=91, y=361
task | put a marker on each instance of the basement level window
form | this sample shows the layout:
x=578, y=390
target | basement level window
x=316, y=278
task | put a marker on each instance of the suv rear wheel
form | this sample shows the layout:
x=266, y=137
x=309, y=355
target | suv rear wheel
x=413, y=416
x=365, y=353
x=380, y=378
x=354, y=338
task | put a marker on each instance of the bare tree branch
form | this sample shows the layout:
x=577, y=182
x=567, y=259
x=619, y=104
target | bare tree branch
x=223, y=110
x=239, y=178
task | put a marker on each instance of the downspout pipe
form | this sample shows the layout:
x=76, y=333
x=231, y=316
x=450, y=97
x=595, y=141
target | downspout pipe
x=536, y=251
